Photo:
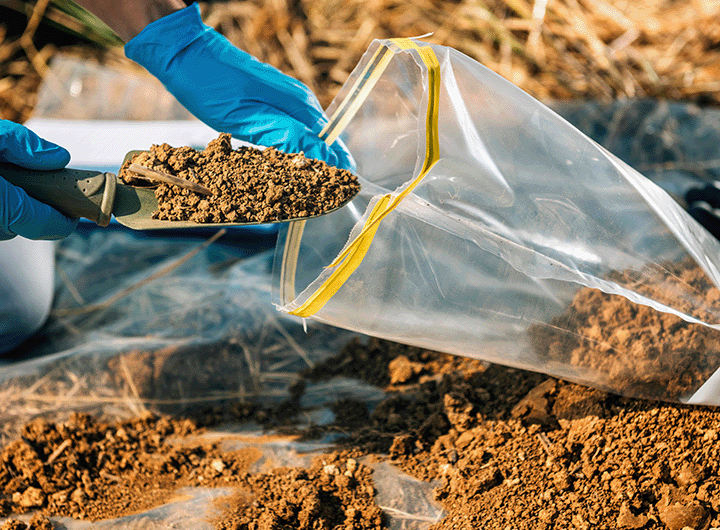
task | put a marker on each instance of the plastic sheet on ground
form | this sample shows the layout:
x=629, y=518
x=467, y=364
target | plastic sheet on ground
x=173, y=325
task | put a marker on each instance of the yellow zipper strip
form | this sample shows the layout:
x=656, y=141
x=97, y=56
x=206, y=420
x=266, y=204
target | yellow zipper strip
x=357, y=95
x=358, y=249
x=334, y=127
x=349, y=260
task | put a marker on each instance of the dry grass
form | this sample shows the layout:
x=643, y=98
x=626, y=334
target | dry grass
x=559, y=49
x=556, y=49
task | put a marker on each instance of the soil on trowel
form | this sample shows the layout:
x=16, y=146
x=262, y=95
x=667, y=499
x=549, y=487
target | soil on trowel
x=248, y=185
x=638, y=350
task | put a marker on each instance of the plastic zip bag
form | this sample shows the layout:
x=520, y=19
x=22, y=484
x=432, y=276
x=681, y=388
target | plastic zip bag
x=490, y=227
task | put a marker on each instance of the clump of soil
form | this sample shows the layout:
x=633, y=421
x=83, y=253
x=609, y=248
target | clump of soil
x=515, y=449
x=336, y=492
x=249, y=185
x=88, y=469
x=37, y=522
x=639, y=350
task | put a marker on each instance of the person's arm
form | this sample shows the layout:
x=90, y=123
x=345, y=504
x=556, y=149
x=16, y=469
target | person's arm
x=217, y=82
x=128, y=17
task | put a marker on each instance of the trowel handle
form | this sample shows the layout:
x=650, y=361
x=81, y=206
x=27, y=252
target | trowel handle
x=74, y=192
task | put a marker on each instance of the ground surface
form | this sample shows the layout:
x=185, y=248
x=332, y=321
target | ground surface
x=507, y=449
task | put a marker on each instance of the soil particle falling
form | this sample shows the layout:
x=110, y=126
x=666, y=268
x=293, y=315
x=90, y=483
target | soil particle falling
x=249, y=185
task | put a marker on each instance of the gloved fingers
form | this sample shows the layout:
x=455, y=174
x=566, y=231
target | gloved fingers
x=20, y=146
x=258, y=81
x=24, y=216
x=210, y=76
x=272, y=128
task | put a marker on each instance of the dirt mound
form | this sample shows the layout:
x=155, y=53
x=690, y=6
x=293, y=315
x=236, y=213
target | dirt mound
x=506, y=449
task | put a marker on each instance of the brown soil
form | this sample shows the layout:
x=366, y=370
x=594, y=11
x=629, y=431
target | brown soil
x=513, y=449
x=506, y=449
x=509, y=449
x=37, y=522
x=334, y=493
x=249, y=185
x=643, y=352
x=87, y=469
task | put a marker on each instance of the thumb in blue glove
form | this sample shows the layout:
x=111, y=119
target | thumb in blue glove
x=20, y=214
x=230, y=90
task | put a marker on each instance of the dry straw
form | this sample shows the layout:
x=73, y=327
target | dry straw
x=553, y=49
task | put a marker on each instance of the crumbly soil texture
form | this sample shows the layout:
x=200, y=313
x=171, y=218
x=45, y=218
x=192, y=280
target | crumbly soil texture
x=248, y=185
x=502, y=448
x=641, y=351
x=91, y=470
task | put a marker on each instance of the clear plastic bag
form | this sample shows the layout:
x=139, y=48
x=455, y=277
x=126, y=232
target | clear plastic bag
x=490, y=227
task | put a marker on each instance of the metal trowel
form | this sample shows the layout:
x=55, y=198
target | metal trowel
x=98, y=196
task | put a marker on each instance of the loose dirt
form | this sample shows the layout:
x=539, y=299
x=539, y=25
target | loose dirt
x=513, y=449
x=507, y=448
x=334, y=493
x=642, y=351
x=89, y=469
x=92, y=470
x=504, y=448
x=249, y=185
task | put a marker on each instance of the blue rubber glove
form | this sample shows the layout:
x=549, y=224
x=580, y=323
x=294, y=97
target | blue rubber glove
x=232, y=91
x=20, y=214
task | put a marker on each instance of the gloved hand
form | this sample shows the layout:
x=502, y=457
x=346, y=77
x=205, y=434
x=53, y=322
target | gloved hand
x=20, y=214
x=232, y=91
